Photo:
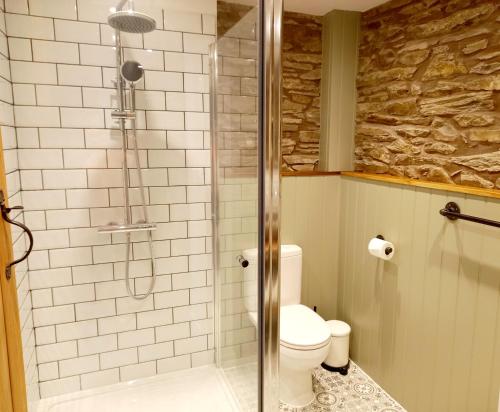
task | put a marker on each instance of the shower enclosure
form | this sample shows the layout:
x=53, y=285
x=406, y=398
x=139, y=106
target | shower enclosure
x=136, y=302
x=245, y=126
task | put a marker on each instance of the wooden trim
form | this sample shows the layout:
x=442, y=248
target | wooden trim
x=406, y=181
x=476, y=191
x=5, y=387
x=10, y=328
x=313, y=173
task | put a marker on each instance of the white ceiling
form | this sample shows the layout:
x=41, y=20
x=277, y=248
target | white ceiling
x=321, y=7
x=314, y=7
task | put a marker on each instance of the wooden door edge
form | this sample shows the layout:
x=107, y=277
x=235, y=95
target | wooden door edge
x=11, y=327
x=5, y=385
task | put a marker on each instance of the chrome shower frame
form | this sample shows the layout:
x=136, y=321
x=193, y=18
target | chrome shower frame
x=269, y=38
x=269, y=154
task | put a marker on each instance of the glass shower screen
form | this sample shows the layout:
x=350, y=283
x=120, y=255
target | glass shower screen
x=245, y=89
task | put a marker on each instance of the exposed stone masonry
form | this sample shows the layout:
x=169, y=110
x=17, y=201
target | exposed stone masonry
x=301, y=91
x=429, y=91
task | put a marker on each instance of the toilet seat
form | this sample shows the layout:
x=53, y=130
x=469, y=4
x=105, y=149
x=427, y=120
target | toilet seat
x=302, y=329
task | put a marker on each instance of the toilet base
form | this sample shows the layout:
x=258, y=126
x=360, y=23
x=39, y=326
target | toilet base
x=296, y=388
x=340, y=369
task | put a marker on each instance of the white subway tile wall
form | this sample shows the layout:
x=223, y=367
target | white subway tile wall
x=13, y=177
x=237, y=192
x=88, y=331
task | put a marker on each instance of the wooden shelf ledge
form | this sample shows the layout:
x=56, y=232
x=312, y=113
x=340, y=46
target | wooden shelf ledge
x=476, y=191
x=469, y=190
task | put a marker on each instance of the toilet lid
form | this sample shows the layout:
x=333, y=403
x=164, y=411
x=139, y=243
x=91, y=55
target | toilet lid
x=303, y=329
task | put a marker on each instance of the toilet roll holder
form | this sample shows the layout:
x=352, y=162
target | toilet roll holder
x=388, y=250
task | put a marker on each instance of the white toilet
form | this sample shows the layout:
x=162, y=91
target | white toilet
x=304, y=335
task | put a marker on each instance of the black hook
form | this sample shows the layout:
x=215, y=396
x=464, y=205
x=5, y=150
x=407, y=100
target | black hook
x=5, y=216
x=242, y=261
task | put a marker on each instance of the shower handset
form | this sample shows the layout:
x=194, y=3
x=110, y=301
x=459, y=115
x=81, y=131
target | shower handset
x=132, y=71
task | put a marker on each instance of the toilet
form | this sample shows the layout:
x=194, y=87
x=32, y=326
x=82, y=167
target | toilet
x=304, y=335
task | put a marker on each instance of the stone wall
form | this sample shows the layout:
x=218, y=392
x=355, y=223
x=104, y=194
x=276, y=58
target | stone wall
x=301, y=91
x=428, y=91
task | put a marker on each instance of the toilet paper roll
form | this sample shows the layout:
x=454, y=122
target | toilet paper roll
x=381, y=248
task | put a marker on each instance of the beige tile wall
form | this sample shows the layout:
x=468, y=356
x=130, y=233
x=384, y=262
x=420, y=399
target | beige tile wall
x=236, y=149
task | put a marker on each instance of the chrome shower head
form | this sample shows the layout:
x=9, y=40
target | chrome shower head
x=132, y=71
x=131, y=21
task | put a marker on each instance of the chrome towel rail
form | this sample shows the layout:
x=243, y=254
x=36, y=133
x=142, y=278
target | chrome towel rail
x=452, y=212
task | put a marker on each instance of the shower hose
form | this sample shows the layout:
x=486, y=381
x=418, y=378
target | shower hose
x=144, y=212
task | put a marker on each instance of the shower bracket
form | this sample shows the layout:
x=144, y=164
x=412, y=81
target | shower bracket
x=123, y=114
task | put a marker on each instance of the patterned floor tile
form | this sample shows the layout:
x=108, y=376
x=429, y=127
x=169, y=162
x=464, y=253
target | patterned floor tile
x=355, y=392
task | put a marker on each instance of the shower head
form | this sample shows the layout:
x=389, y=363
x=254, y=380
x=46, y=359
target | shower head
x=131, y=21
x=132, y=71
